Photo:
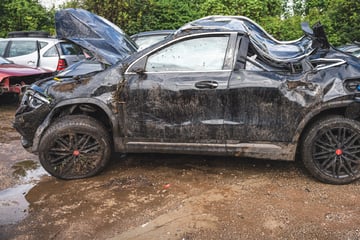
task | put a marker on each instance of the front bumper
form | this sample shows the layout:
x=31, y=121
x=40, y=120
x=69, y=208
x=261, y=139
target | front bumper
x=26, y=123
x=29, y=116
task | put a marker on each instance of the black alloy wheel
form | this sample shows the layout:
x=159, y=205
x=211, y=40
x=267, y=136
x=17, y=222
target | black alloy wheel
x=331, y=150
x=75, y=147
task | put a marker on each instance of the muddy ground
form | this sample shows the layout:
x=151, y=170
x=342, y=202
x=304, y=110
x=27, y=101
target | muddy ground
x=170, y=197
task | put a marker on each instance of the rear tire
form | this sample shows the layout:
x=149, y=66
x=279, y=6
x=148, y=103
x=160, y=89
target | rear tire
x=74, y=147
x=331, y=150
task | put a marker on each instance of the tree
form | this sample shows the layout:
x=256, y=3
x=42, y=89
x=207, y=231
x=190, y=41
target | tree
x=73, y=4
x=20, y=15
x=341, y=18
x=344, y=17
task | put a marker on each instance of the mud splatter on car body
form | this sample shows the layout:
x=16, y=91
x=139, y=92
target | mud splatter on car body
x=252, y=96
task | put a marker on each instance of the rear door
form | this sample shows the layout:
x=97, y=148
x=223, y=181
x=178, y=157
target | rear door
x=23, y=52
x=262, y=107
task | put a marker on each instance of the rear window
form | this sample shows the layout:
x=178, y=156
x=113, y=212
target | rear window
x=2, y=47
x=42, y=44
x=146, y=41
x=19, y=48
x=70, y=49
x=52, y=52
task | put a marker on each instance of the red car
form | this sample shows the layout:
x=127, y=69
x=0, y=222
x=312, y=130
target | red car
x=14, y=77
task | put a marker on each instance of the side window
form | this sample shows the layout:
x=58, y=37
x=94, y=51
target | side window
x=146, y=41
x=42, y=44
x=70, y=49
x=256, y=62
x=253, y=63
x=52, y=52
x=2, y=47
x=196, y=54
x=355, y=53
x=19, y=48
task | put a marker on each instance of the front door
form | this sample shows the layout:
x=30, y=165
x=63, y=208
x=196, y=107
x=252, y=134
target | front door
x=178, y=95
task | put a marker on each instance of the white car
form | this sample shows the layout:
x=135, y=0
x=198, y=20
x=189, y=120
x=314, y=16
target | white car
x=45, y=52
x=146, y=39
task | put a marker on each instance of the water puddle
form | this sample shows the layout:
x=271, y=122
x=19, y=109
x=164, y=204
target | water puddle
x=13, y=204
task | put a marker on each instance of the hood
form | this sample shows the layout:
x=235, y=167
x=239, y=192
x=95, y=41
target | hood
x=104, y=39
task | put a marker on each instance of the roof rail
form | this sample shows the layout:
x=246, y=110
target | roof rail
x=18, y=34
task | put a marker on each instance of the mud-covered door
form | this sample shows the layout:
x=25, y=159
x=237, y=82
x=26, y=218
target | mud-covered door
x=261, y=106
x=179, y=91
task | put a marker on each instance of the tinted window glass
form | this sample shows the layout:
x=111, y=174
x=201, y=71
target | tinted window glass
x=70, y=49
x=198, y=54
x=356, y=53
x=52, y=52
x=2, y=47
x=19, y=48
x=43, y=44
x=146, y=41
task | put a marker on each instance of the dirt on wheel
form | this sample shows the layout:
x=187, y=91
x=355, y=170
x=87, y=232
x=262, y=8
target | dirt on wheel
x=153, y=196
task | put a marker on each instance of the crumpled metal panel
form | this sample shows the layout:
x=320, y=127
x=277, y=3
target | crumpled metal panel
x=289, y=51
x=91, y=85
x=107, y=41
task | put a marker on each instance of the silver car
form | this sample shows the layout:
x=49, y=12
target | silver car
x=146, y=39
x=45, y=52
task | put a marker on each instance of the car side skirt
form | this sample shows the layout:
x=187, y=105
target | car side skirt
x=279, y=151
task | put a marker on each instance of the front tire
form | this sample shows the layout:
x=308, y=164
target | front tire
x=331, y=150
x=77, y=146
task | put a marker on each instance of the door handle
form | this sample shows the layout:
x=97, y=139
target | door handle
x=206, y=84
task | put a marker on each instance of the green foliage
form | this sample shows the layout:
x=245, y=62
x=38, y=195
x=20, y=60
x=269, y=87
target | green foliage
x=341, y=18
x=20, y=15
x=344, y=19
x=283, y=29
x=172, y=14
x=73, y=4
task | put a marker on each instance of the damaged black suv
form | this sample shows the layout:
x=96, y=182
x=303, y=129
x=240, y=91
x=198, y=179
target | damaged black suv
x=219, y=85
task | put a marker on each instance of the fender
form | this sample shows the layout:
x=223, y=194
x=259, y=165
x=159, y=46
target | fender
x=349, y=105
x=94, y=101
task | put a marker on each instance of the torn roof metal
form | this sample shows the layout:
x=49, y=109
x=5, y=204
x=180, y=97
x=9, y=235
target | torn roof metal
x=289, y=51
x=104, y=39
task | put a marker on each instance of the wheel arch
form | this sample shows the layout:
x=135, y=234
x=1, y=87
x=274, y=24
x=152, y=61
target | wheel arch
x=88, y=106
x=346, y=108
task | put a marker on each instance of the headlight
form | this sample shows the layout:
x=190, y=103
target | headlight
x=34, y=99
x=37, y=100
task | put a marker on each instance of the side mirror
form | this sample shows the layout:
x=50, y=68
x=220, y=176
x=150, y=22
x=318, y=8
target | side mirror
x=139, y=71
